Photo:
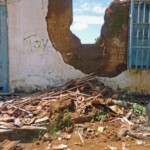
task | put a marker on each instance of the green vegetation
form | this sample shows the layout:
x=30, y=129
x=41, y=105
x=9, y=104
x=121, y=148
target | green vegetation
x=53, y=128
x=63, y=120
x=97, y=40
x=139, y=109
x=97, y=117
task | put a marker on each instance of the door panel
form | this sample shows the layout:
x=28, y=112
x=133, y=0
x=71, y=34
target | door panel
x=3, y=49
x=139, y=35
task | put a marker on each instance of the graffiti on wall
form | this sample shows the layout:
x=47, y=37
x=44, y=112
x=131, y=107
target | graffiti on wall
x=35, y=42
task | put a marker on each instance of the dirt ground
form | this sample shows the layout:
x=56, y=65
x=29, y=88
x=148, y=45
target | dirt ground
x=82, y=114
x=91, y=144
x=108, y=140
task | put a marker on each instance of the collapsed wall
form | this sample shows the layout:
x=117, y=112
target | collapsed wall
x=38, y=47
x=108, y=56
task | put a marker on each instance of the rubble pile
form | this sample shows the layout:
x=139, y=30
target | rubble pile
x=83, y=106
x=80, y=97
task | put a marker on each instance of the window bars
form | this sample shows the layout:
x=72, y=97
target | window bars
x=139, y=35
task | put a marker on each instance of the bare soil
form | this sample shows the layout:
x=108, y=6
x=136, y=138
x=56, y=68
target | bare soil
x=93, y=140
x=95, y=116
x=101, y=142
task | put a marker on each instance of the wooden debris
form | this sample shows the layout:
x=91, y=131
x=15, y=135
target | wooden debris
x=112, y=148
x=59, y=147
x=28, y=121
x=42, y=120
x=123, y=131
x=80, y=136
x=46, y=136
x=116, y=109
x=129, y=114
x=32, y=128
x=22, y=110
x=70, y=105
x=18, y=123
x=120, y=103
x=8, y=145
x=124, y=146
x=136, y=135
x=66, y=136
x=5, y=130
x=82, y=99
x=127, y=121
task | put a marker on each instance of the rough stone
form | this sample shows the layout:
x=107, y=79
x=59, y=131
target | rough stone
x=105, y=58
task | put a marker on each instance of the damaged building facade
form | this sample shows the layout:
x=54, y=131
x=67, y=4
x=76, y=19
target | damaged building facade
x=38, y=50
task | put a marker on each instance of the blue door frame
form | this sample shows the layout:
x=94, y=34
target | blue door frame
x=139, y=35
x=4, y=85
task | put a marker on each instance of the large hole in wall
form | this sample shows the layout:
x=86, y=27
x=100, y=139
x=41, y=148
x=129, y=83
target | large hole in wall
x=105, y=58
x=88, y=18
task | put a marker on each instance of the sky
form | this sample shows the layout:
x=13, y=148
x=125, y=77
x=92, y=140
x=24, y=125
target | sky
x=88, y=17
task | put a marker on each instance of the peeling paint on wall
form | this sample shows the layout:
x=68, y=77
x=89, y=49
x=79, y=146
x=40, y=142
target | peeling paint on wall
x=130, y=80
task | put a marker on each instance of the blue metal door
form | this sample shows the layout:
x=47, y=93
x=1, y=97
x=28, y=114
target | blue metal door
x=139, y=35
x=3, y=49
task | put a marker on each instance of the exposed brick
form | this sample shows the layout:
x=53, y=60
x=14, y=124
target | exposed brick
x=108, y=56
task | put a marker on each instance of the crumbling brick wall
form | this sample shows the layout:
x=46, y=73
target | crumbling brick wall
x=108, y=56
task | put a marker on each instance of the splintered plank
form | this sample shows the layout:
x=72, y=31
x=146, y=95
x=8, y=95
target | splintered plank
x=8, y=145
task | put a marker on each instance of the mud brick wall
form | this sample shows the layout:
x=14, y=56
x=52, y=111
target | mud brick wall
x=107, y=58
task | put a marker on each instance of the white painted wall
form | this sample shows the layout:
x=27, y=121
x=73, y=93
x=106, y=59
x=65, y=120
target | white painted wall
x=133, y=80
x=33, y=62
